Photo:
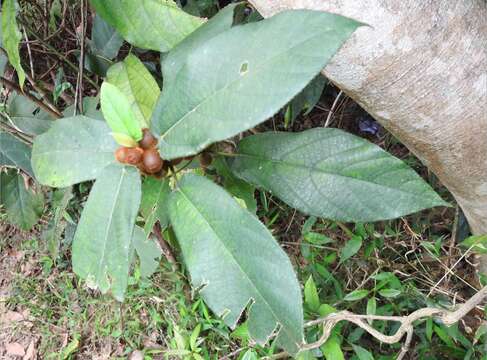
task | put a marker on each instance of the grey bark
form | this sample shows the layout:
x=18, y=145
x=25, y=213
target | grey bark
x=420, y=69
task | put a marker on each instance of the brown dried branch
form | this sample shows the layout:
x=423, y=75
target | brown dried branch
x=445, y=316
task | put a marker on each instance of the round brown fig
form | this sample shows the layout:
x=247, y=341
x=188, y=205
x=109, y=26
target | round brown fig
x=148, y=141
x=121, y=154
x=152, y=161
x=134, y=155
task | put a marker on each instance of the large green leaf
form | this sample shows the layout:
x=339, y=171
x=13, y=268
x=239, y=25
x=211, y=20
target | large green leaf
x=148, y=24
x=333, y=174
x=11, y=37
x=14, y=153
x=236, y=261
x=138, y=85
x=103, y=244
x=175, y=59
x=250, y=72
x=118, y=113
x=74, y=150
x=105, y=39
x=155, y=193
x=3, y=58
x=23, y=206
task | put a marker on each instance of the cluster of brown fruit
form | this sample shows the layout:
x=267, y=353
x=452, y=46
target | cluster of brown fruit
x=147, y=159
x=145, y=156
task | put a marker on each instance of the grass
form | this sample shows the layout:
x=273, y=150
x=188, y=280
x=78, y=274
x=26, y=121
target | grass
x=344, y=266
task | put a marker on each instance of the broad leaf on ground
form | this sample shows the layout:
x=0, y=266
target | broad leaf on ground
x=118, y=113
x=148, y=24
x=11, y=37
x=27, y=116
x=23, y=206
x=330, y=173
x=155, y=194
x=148, y=251
x=236, y=261
x=250, y=72
x=14, y=153
x=103, y=244
x=74, y=150
x=137, y=84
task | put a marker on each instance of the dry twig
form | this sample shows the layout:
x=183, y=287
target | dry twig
x=445, y=316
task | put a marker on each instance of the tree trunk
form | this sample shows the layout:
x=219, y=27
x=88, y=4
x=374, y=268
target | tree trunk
x=420, y=69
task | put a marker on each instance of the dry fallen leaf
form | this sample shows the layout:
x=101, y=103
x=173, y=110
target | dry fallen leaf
x=15, y=349
x=30, y=354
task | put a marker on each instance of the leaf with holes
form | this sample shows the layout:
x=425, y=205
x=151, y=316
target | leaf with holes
x=73, y=150
x=251, y=71
x=138, y=85
x=148, y=24
x=23, y=206
x=14, y=153
x=103, y=245
x=330, y=173
x=235, y=261
x=11, y=37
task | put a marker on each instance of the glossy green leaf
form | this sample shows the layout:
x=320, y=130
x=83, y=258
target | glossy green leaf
x=14, y=153
x=148, y=24
x=251, y=71
x=371, y=308
x=476, y=243
x=138, y=85
x=330, y=173
x=118, y=113
x=311, y=297
x=106, y=41
x=362, y=353
x=74, y=150
x=155, y=194
x=356, y=295
x=332, y=349
x=389, y=293
x=148, y=251
x=11, y=37
x=3, y=58
x=235, y=261
x=103, y=245
x=351, y=247
x=23, y=206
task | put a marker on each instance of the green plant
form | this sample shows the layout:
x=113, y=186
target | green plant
x=220, y=80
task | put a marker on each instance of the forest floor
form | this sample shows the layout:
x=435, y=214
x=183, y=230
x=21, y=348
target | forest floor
x=45, y=311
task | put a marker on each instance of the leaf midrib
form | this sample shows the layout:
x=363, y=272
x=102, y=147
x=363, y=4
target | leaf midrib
x=318, y=170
